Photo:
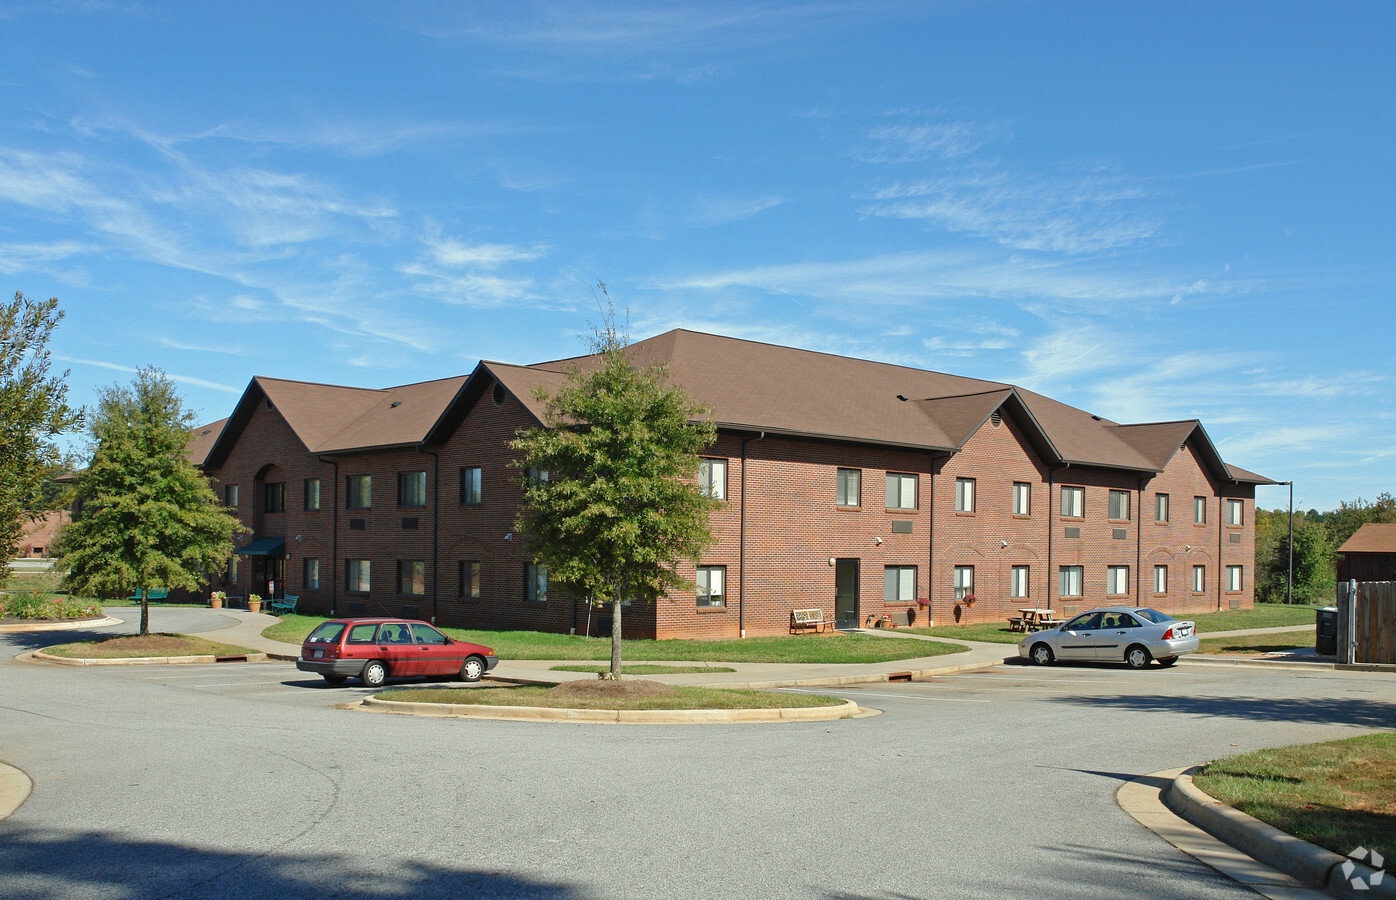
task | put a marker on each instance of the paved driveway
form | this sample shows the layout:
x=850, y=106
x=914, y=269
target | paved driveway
x=243, y=780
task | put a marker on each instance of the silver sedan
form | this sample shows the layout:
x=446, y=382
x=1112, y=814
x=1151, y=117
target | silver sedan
x=1130, y=634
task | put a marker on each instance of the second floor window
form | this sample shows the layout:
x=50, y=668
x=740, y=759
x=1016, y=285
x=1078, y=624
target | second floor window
x=1119, y=506
x=360, y=492
x=470, y=485
x=850, y=483
x=1235, y=512
x=312, y=493
x=1073, y=502
x=412, y=488
x=275, y=496
x=1160, y=507
x=230, y=496
x=1022, y=498
x=712, y=478
x=964, y=495
x=901, y=491
x=1199, y=510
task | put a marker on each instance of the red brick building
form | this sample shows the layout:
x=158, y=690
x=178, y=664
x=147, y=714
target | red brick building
x=853, y=486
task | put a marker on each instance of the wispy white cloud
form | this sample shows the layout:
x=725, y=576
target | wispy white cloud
x=721, y=211
x=118, y=367
x=467, y=274
x=893, y=144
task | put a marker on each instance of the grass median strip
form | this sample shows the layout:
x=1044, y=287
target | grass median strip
x=1340, y=795
x=1257, y=644
x=636, y=694
x=804, y=648
x=647, y=669
x=145, y=646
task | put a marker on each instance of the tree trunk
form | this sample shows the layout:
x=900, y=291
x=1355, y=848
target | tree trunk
x=615, y=638
x=145, y=612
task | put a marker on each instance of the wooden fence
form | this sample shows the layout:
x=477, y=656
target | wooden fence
x=1367, y=622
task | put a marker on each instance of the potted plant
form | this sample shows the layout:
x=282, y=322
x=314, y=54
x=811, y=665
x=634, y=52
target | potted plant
x=967, y=599
x=216, y=599
x=254, y=602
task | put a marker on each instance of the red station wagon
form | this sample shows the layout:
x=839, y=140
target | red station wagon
x=377, y=649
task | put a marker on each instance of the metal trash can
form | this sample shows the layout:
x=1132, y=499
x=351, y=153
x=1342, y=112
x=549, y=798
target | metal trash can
x=1326, y=631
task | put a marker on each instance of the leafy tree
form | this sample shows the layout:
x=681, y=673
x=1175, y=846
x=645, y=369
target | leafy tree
x=621, y=505
x=1344, y=521
x=1314, y=573
x=147, y=518
x=33, y=412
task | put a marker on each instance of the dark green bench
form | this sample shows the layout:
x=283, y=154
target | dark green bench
x=285, y=606
x=152, y=595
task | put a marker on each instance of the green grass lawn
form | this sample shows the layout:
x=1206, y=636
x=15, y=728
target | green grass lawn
x=1340, y=795
x=681, y=698
x=1256, y=644
x=143, y=646
x=646, y=669
x=802, y=648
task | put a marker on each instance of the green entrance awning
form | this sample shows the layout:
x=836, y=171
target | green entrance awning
x=267, y=546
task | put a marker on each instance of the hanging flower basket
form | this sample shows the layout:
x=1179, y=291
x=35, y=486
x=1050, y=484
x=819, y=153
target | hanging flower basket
x=967, y=599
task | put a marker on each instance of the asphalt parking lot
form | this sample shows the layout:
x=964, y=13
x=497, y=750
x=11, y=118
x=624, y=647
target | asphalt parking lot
x=248, y=780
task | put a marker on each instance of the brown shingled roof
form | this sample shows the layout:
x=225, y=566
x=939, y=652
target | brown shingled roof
x=1371, y=538
x=204, y=437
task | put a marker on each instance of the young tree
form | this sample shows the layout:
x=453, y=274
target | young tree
x=621, y=504
x=147, y=519
x=33, y=412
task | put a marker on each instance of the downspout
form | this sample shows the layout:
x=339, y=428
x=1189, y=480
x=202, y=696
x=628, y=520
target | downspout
x=1221, y=533
x=1139, y=547
x=741, y=548
x=435, y=533
x=334, y=539
x=931, y=549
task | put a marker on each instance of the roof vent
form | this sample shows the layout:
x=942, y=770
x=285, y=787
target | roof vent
x=901, y=397
x=1097, y=418
x=269, y=406
x=395, y=404
x=996, y=419
x=499, y=394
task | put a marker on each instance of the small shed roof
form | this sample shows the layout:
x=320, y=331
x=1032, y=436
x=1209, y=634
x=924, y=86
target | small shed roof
x=1371, y=538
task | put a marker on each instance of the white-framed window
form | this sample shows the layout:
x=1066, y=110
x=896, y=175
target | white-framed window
x=712, y=478
x=469, y=579
x=412, y=488
x=312, y=574
x=1117, y=580
x=359, y=492
x=1022, y=498
x=1233, y=578
x=1073, y=502
x=1071, y=581
x=536, y=476
x=535, y=583
x=1235, y=512
x=1018, y=581
x=1199, y=579
x=1119, y=506
x=356, y=575
x=964, y=495
x=1160, y=579
x=312, y=493
x=470, y=478
x=412, y=577
x=1199, y=510
x=964, y=582
x=1160, y=507
x=901, y=491
x=230, y=496
x=712, y=586
x=899, y=584
x=849, y=487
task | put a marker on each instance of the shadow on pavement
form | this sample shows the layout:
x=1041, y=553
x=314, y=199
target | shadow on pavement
x=1321, y=711
x=76, y=865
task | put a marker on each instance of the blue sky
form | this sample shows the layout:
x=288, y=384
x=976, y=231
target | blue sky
x=1151, y=211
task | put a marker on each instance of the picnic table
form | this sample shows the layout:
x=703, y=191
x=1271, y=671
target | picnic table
x=1033, y=619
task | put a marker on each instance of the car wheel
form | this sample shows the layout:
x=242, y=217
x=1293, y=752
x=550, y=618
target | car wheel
x=375, y=673
x=1137, y=657
x=1167, y=661
x=473, y=668
x=1041, y=655
x=336, y=680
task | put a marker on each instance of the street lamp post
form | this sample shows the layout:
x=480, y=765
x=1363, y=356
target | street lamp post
x=1289, y=583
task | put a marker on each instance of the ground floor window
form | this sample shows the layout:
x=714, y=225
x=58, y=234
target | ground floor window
x=412, y=577
x=536, y=583
x=312, y=574
x=899, y=584
x=1117, y=580
x=356, y=575
x=964, y=582
x=1199, y=579
x=712, y=586
x=1018, y=582
x=470, y=579
x=1072, y=581
x=1160, y=579
x=1233, y=578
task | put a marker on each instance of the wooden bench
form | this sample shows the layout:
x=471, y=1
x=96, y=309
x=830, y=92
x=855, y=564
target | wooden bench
x=1017, y=623
x=802, y=620
x=285, y=606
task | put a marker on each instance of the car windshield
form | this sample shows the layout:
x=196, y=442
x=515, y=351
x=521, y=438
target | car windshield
x=1153, y=615
x=327, y=633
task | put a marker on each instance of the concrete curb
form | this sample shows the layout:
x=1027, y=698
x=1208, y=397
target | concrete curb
x=15, y=788
x=1209, y=660
x=845, y=710
x=147, y=660
x=63, y=625
x=1314, y=866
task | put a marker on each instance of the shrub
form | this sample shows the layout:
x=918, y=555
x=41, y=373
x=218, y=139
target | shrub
x=36, y=605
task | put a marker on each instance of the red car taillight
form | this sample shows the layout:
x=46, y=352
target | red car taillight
x=1168, y=635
